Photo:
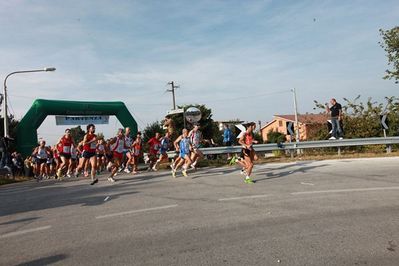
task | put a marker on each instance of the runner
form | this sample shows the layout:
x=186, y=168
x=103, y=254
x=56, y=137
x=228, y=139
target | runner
x=89, y=153
x=248, y=152
x=155, y=144
x=195, y=136
x=117, y=145
x=137, y=151
x=65, y=143
x=127, y=156
x=182, y=143
x=100, y=155
x=164, y=147
x=54, y=161
x=41, y=153
x=74, y=160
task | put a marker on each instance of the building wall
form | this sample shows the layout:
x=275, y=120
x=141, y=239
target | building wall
x=279, y=125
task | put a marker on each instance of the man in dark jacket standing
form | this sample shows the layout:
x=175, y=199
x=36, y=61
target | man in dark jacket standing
x=336, y=118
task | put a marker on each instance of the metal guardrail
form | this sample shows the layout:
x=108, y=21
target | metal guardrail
x=303, y=145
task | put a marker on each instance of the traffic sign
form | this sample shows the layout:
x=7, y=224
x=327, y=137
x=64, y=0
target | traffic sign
x=176, y=111
x=290, y=128
x=384, y=121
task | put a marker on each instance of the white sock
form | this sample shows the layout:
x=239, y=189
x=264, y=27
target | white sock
x=247, y=177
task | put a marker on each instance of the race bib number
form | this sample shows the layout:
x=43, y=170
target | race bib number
x=66, y=149
x=93, y=145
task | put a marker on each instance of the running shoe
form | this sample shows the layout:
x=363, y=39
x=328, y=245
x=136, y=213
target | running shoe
x=184, y=172
x=154, y=169
x=94, y=181
x=111, y=179
x=77, y=174
x=86, y=174
x=249, y=181
x=127, y=170
x=69, y=175
x=174, y=173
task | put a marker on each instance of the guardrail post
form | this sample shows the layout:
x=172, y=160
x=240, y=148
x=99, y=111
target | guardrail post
x=389, y=148
x=339, y=151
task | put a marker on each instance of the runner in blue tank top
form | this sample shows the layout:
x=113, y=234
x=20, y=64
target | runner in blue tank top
x=183, y=144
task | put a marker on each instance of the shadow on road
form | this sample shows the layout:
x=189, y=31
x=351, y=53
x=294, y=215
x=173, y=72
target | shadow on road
x=271, y=175
x=59, y=196
x=44, y=261
x=21, y=220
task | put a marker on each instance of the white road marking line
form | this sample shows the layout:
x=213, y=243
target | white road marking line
x=244, y=197
x=106, y=198
x=17, y=233
x=345, y=190
x=135, y=211
x=309, y=184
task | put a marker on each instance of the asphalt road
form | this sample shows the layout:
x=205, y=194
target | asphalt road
x=343, y=212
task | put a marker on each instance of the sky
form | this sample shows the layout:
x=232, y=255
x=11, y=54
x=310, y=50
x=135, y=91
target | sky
x=239, y=58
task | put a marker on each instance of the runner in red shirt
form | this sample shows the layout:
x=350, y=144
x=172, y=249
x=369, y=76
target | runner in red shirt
x=89, y=153
x=65, y=145
x=155, y=145
x=248, y=152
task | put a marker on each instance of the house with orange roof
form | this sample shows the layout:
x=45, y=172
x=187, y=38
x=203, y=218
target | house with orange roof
x=308, y=125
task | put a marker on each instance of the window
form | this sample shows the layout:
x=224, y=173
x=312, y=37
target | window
x=280, y=123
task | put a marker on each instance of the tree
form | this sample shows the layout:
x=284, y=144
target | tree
x=207, y=125
x=77, y=134
x=362, y=120
x=275, y=137
x=391, y=45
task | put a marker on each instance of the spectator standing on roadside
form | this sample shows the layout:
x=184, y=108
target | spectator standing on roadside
x=336, y=118
x=227, y=138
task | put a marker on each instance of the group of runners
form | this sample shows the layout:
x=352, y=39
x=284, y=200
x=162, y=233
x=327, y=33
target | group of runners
x=93, y=155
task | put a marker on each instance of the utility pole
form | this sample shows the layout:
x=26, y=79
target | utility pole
x=172, y=83
x=296, y=114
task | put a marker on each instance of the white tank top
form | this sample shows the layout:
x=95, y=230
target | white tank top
x=118, y=146
x=73, y=152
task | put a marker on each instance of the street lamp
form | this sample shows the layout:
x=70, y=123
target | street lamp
x=47, y=69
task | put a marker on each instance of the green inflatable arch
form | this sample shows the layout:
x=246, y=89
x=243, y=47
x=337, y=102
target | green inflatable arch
x=27, y=128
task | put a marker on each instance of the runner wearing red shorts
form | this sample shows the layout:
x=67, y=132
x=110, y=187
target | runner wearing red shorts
x=89, y=153
x=65, y=145
x=117, y=146
x=155, y=145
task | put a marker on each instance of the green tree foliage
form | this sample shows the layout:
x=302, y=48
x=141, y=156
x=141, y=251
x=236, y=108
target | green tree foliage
x=77, y=134
x=275, y=137
x=208, y=128
x=391, y=46
x=151, y=129
x=362, y=120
